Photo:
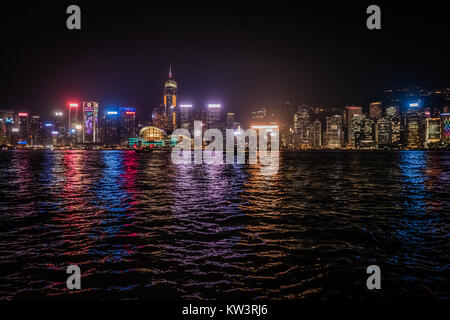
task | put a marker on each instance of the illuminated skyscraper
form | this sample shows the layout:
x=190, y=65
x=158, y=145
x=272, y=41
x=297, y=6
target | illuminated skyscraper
x=159, y=118
x=392, y=112
x=432, y=130
x=383, y=132
x=334, y=132
x=259, y=116
x=59, y=125
x=6, y=126
x=375, y=110
x=302, y=128
x=35, y=130
x=170, y=101
x=316, y=135
x=231, y=120
x=396, y=130
x=214, y=115
x=368, y=134
x=127, y=123
x=75, y=127
x=23, y=126
x=90, y=122
x=186, y=116
x=413, y=136
x=445, y=123
x=357, y=125
x=111, y=126
x=350, y=112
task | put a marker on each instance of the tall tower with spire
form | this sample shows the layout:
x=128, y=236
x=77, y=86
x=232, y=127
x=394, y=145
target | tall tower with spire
x=170, y=101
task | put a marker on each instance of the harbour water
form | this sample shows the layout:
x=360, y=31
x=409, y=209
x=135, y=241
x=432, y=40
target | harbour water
x=140, y=227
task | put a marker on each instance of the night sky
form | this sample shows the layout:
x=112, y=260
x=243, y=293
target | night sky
x=243, y=56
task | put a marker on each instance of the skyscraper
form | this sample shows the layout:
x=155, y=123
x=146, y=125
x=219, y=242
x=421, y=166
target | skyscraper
x=392, y=112
x=375, y=110
x=6, y=126
x=302, y=128
x=350, y=112
x=111, y=126
x=59, y=125
x=23, y=126
x=368, y=134
x=186, y=117
x=127, y=123
x=170, y=101
x=396, y=131
x=35, y=130
x=316, y=134
x=432, y=130
x=214, y=116
x=231, y=120
x=413, y=130
x=383, y=132
x=75, y=126
x=357, y=132
x=445, y=123
x=90, y=122
x=334, y=131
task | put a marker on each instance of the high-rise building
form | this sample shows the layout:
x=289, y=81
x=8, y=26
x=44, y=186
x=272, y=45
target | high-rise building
x=159, y=118
x=316, y=135
x=186, y=117
x=6, y=126
x=413, y=130
x=302, y=128
x=59, y=125
x=392, y=112
x=214, y=116
x=170, y=102
x=334, y=132
x=368, y=134
x=75, y=123
x=350, y=112
x=90, y=122
x=231, y=120
x=383, y=132
x=127, y=123
x=357, y=133
x=396, y=131
x=375, y=110
x=445, y=123
x=23, y=126
x=259, y=116
x=35, y=130
x=432, y=130
x=111, y=126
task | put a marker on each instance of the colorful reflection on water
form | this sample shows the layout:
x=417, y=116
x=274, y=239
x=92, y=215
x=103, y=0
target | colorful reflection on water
x=141, y=227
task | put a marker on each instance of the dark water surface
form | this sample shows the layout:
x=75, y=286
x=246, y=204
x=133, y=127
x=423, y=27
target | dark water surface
x=140, y=227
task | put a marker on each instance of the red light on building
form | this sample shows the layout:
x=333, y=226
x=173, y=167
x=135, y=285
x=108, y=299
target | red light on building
x=130, y=112
x=23, y=114
x=73, y=105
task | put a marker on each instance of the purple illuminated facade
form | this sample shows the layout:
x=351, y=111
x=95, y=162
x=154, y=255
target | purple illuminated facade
x=90, y=122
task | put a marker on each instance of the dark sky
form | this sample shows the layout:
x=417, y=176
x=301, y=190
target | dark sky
x=244, y=56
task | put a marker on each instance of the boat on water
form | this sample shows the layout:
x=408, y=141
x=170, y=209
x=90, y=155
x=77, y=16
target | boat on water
x=139, y=148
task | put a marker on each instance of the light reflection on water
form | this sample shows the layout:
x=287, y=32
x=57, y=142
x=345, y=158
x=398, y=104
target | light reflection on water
x=141, y=227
